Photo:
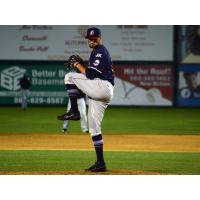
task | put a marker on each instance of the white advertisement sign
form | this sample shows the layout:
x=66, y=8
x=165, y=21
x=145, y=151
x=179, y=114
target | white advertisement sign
x=46, y=42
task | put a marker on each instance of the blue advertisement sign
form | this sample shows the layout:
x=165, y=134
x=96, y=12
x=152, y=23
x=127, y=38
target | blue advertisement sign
x=189, y=85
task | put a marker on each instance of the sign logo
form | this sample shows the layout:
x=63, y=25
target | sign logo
x=186, y=93
x=10, y=77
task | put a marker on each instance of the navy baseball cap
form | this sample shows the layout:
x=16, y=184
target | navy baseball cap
x=93, y=32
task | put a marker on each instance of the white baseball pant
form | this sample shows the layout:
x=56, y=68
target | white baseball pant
x=100, y=93
x=25, y=93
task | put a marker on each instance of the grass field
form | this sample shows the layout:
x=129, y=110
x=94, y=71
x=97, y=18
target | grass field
x=44, y=161
x=129, y=121
x=116, y=121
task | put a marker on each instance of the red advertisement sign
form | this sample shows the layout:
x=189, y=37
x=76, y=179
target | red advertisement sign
x=155, y=79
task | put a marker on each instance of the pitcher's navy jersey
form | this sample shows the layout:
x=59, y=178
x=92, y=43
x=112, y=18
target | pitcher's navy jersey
x=100, y=65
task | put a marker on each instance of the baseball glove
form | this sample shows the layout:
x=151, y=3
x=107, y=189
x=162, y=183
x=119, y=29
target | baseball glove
x=74, y=59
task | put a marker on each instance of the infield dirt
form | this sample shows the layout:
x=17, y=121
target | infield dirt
x=140, y=143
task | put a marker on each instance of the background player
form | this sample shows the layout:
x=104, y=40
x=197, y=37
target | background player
x=97, y=82
x=82, y=109
x=25, y=93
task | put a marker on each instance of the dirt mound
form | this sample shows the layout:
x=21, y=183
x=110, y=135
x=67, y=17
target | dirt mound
x=114, y=172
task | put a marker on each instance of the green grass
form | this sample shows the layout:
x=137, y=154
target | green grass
x=37, y=161
x=116, y=121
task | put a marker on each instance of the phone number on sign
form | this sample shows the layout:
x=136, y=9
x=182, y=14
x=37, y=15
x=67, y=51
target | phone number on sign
x=41, y=100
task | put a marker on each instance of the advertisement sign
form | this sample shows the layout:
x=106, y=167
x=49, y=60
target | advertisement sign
x=143, y=85
x=139, y=85
x=189, y=85
x=47, y=42
x=189, y=44
x=47, y=83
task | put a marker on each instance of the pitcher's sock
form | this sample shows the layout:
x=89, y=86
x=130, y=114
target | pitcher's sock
x=98, y=144
x=73, y=93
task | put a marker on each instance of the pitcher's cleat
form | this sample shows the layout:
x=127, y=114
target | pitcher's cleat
x=97, y=167
x=69, y=116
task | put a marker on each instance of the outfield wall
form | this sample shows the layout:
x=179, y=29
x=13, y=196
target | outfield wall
x=148, y=62
x=135, y=84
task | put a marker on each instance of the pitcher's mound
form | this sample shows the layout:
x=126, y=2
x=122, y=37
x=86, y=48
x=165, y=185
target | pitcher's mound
x=113, y=172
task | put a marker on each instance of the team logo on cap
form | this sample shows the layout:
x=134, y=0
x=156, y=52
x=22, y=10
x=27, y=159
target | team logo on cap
x=96, y=62
x=92, y=32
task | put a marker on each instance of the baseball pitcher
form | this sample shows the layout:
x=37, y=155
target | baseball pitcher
x=97, y=82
